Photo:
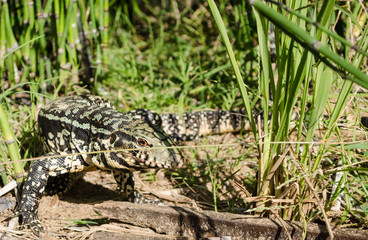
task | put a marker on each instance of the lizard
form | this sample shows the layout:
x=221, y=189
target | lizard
x=72, y=127
x=82, y=124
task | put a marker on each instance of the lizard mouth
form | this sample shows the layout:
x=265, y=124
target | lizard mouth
x=145, y=161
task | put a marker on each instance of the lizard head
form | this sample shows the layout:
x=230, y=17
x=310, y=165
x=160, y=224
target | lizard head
x=148, y=146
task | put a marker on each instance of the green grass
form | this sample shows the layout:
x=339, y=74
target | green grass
x=172, y=57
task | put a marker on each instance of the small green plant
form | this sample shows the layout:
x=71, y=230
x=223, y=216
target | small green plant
x=86, y=222
x=215, y=182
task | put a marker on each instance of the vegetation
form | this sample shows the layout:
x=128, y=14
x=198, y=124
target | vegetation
x=307, y=58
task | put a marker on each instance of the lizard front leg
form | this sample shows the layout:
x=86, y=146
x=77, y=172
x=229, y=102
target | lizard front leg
x=125, y=181
x=34, y=186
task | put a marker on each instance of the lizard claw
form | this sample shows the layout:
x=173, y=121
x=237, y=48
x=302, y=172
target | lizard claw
x=33, y=222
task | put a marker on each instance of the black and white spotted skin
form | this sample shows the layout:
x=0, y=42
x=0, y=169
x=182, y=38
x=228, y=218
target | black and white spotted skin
x=83, y=124
x=191, y=125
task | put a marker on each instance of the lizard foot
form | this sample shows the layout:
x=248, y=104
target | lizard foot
x=31, y=220
x=138, y=198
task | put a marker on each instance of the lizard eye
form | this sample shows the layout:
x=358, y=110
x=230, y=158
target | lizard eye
x=142, y=142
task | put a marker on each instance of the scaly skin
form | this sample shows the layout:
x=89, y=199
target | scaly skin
x=191, y=125
x=82, y=124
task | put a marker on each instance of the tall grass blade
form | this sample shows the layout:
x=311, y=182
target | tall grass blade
x=12, y=145
x=221, y=26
